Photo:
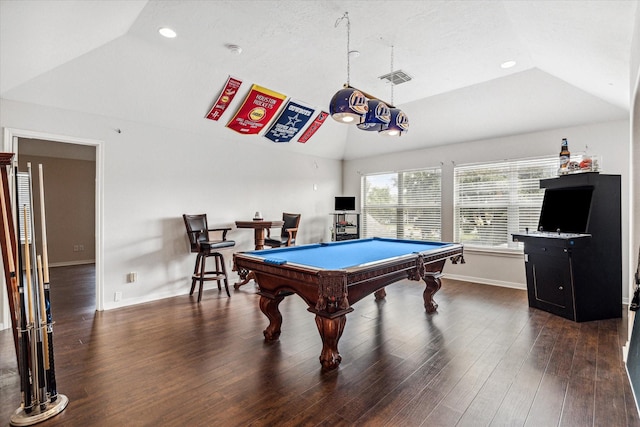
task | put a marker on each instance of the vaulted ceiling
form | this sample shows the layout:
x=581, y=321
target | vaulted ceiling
x=107, y=58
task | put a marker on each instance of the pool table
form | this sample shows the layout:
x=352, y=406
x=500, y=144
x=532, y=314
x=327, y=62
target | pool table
x=331, y=277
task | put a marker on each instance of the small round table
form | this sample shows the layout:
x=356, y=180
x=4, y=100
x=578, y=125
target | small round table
x=259, y=226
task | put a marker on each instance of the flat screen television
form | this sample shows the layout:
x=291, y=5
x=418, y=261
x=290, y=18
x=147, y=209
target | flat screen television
x=345, y=203
x=566, y=209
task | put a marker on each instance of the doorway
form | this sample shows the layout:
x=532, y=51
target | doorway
x=67, y=159
x=69, y=172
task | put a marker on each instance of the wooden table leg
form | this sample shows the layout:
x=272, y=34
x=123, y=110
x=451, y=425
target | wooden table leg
x=380, y=294
x=245, y=277
x=433, y=285
x=259, y=238
x=269, y=307
x=330, y=331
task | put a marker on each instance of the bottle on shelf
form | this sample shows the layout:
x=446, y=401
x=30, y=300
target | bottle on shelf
x=565, y=157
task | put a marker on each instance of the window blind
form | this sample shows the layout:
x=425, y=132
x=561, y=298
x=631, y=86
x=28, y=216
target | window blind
x=24, y=199
x=492, y=201
x=403, y=205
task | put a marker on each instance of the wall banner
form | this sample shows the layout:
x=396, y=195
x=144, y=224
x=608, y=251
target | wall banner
x=292, y=119
x=256, y=111
x=314, y=126
x=224, y=99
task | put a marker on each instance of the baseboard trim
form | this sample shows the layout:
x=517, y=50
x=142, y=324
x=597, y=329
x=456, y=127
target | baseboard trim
x=513, y=285
x=484, y=281
x=70, y=263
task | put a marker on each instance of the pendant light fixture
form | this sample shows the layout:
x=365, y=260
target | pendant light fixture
x=399, y=122
x=348, y=105
x=378, y=116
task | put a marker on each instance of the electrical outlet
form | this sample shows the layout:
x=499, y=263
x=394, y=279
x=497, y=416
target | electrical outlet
x=117, y=296
x=75, y=248
x=132, y=277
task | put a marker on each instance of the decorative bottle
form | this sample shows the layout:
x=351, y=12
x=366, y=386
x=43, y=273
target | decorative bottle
x=565, y=157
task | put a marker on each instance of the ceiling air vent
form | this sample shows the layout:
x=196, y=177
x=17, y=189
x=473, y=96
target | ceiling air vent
x=396, y=77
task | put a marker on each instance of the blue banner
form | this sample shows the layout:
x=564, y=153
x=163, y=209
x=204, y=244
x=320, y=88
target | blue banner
x=292, y=119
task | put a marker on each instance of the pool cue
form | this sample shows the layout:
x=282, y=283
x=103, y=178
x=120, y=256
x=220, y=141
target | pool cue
x=43, y=322
x=37, y=356
x=8, y=242
x=28, y=304
x=23, y=356
x=39, y=320
x=51, y=371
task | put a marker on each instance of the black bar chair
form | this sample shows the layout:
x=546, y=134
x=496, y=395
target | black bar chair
x=198, y=233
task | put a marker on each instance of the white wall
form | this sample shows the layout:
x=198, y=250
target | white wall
x=152, y=175
x=634, y=157
x=610, y=140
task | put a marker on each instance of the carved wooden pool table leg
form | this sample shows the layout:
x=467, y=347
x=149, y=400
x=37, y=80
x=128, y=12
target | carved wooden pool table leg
x=269, y=307
x=433, y=285
x=330, y=331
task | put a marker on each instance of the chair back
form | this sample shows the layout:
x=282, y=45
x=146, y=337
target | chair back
x=197, y=230
x=290, y=221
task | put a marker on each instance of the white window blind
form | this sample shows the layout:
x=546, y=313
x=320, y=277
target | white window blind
x=24, y=200
x=492, y=201
x=403, y=205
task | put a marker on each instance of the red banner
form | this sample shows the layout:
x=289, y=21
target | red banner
x=256, y=111
x=313, y=127
x=224, y=99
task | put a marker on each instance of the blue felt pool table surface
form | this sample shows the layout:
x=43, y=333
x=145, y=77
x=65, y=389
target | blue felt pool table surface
x=347, y=254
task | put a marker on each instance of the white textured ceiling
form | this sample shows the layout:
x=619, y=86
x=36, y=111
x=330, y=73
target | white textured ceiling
x=106, y=58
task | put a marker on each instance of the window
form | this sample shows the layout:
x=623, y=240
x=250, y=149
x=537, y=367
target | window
x=403, y=205
x=492, y=201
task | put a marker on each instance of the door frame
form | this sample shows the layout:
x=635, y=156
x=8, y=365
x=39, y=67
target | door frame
x=10, y=144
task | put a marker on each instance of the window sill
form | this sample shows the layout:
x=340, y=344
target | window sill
x=503, y=252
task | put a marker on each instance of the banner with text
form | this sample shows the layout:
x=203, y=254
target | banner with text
x=256, y=111
x=313, y=127
x=293, y=118
x=224, y=99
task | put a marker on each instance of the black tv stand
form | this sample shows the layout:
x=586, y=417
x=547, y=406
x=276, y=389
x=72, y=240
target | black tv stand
x=346, y=226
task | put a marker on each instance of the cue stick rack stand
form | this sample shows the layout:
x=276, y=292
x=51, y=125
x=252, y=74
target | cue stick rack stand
x=27, y=278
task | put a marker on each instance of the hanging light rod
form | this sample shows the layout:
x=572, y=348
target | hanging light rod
x=351, y=105
x=348, y=104
x=398, y=122
x=368, y=95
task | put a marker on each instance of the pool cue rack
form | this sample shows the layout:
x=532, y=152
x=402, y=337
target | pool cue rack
x=27, y=281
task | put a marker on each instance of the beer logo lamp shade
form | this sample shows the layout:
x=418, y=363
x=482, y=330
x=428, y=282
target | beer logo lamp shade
x=377, y=117
x=398, y=125
x=348, y=105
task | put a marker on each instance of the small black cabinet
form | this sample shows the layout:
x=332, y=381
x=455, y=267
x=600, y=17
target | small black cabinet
x=573, y=262
x=552, y=279
x=551, y=276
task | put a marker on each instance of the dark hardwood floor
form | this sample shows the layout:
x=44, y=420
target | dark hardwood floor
x=484, y=359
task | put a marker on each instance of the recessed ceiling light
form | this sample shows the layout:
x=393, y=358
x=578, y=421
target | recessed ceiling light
x=508, y=64
x=167, y=32
x=234, y=48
